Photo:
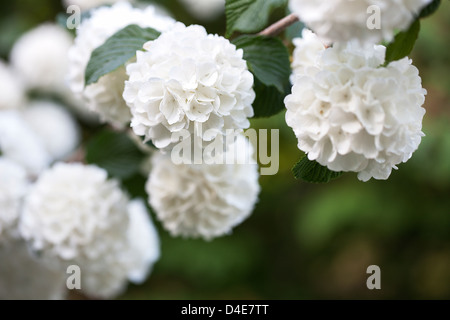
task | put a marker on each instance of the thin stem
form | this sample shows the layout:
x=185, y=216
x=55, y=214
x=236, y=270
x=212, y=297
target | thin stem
x=279, y=26
x=78, y=155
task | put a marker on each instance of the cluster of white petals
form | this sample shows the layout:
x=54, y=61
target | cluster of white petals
x=23, y=277
x=129, y=259
x=12, y=90
x=306, y=54
x=104, y=97
x=143, y=241
x=344, y=20
x=205, y=9
x=352, y=114
x=188, y=80
x=13, y=188
x=40, y=57
x=203, y=200
x=74, y=214
x=73, y=210
x=55, y=126
x=19, y=143
x=85, y=5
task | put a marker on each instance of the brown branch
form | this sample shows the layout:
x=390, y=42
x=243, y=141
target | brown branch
x=77, y=156
x=279, y=26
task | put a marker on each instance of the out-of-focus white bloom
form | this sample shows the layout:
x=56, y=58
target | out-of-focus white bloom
x=74, y=211
x=24, y=278
x=75, y=215
x=202, y=200
x=55, y=127
x=188, y=80
x=130, y=259
x=205, y=9
x=88, y=4
x=12, y=92
x=13, y=187
x=20, y=144
x=351, y=114
x=40, y=57
x=104, y=97
x=143, y=241
x=344, y=20
x=306, y=53
x=105, y=276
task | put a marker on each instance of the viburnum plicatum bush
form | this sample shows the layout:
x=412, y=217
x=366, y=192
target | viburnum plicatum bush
x=176, y=101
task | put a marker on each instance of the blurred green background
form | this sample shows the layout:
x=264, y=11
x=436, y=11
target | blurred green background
x=307, y=241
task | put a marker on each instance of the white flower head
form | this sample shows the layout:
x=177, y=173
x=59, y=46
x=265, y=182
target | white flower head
x=12, y=91
x=75, y=215
x=13, y=188
x=24, y=278
x=74, y=211
x=188, y=80
x=344, y=20
x=202, y=200
x=88, y=4
x=205, y=9
x=306, y=53
x=55, y=126
x=143, y=241
x=132, y=258
x=19, y=143
x=351, y=114
x=105, y=96
x=40, y=57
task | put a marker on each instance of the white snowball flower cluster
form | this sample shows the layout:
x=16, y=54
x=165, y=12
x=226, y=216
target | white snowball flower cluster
x=131, y=259
x=75, y=215
x=12, y=91
x=143, y=240
x=24, y=278
x=104, y=97
x=306, y=53
x=344, y=20
x=13, y=188
x=73, y=210
x=88, y=4
x=55, y=126
x=188, y=80
x=351, y=114
x=40, y=57
x=202, y=200
x=205, y=9
x=40, y=60
x=19, y=143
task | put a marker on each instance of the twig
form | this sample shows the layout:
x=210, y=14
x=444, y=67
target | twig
x=77, y=156
x=279, y=26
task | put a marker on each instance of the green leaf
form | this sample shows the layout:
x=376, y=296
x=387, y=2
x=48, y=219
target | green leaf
x=312, y=171
x=268, y=59
x=249, y=15
x=135, y=186
x=403, y=43
x=268, y=102
x=430, y=9
x=117, y=50
x=115, y=152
